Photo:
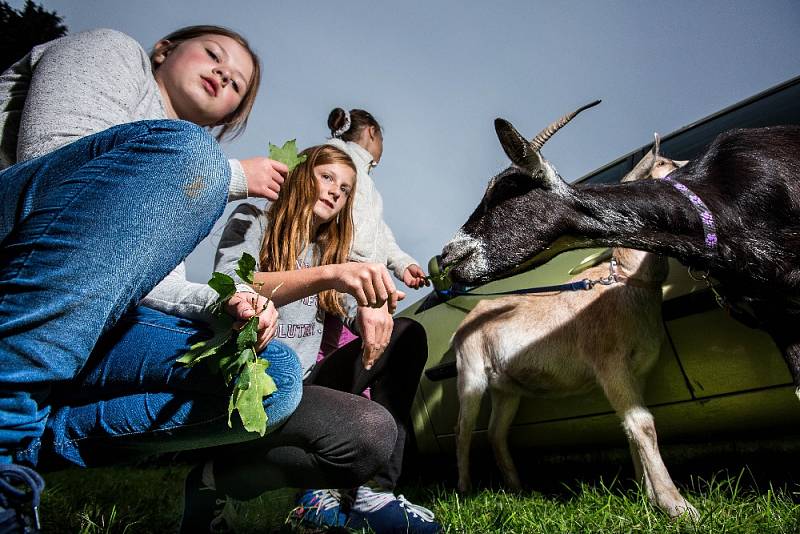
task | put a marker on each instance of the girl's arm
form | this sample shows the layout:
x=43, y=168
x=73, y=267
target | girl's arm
x=396, y=259
x=369, y=283
x=177, y=296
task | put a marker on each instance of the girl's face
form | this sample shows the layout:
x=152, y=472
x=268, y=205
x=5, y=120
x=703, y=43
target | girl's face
x=203, y=80
x=334, y=185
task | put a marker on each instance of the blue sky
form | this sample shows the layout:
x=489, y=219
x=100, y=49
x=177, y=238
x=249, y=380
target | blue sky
x=437, y=73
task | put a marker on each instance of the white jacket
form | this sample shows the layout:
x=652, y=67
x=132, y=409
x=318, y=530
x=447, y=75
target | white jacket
x=373, y=240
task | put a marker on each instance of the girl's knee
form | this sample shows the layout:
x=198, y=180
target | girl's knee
x=376, y=440
x=190, y=156
x=411, y=331
x=285, y=370
x=412, y=342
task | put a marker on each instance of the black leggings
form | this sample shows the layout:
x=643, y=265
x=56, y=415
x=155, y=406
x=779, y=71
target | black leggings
x=336, y=438
x=393, y=381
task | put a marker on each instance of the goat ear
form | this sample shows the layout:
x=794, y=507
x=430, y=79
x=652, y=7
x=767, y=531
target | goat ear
x=517, y=148
x=642, y=169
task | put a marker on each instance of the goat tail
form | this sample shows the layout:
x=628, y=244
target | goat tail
x=541, y=138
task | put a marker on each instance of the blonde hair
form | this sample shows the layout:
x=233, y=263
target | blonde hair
x=290, y=222
x=236, y=121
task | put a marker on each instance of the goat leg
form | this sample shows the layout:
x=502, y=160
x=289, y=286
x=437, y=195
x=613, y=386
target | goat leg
x=784, y=327
x=471, y=387
x=623, y=394
x=640, y=428
x=504, y=408
x=637, y=464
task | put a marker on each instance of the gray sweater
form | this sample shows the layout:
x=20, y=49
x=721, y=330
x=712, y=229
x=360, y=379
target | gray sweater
x=299, y=323
x=83, y=84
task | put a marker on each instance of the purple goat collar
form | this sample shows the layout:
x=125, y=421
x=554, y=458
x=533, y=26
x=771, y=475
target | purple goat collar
x=709, y=228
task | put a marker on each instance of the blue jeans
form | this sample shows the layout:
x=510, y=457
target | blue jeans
x=85, y=232
x=133, y=400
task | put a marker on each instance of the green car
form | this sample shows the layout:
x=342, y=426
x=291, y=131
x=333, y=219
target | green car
x=715, y=377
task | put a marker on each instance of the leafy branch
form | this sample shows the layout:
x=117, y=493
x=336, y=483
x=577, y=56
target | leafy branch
x=234, y=354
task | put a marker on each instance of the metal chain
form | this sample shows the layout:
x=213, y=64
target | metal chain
x=612, y=277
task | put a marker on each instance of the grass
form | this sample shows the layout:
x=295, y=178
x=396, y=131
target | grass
x=148, y=499
x=601, y=507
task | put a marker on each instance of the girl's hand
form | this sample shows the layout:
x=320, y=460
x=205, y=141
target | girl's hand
x=414, y=277
x=264, y=177
x=244, y=305
x=369, y=283
x=375, y=325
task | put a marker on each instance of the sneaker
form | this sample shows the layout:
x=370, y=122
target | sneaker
x=385, y=513
x=204, y=508
x=322, y=507
x=20, y=491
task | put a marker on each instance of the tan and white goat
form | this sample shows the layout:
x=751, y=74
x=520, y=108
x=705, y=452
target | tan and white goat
x=566, y=343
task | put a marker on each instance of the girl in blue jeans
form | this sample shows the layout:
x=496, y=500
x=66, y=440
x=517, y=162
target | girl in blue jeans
x=109, y=179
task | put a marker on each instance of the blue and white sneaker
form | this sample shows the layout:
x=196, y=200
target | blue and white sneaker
x=323, y=507
x=385, y=513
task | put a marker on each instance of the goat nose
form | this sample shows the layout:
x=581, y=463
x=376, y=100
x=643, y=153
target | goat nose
x=457, y=250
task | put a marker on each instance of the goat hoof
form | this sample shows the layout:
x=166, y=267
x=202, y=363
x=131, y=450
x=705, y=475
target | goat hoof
x=684, y=511
x=513, y=485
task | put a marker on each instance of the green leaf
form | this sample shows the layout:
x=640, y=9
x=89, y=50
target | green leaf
x=223, y=285
x=204, y=349
x=250, y=402
x=244, y=378
x=246, y=267
x=231, y=364
x=248, y=335
x=286, y=154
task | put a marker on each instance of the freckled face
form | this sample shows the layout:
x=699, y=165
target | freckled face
x=203, y=80
x=334, y=185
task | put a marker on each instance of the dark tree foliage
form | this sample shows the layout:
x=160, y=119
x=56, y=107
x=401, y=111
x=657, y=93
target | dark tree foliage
x=22, y=30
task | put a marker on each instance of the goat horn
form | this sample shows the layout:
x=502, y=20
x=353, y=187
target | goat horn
x=542, y=137
x=657, y=144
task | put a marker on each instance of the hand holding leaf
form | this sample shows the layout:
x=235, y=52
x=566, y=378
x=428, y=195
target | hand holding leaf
x=234, y=354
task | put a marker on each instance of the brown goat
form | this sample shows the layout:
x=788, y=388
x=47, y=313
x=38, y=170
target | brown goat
x=566, y=343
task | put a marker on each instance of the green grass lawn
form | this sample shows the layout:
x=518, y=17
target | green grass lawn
x=578, y=498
